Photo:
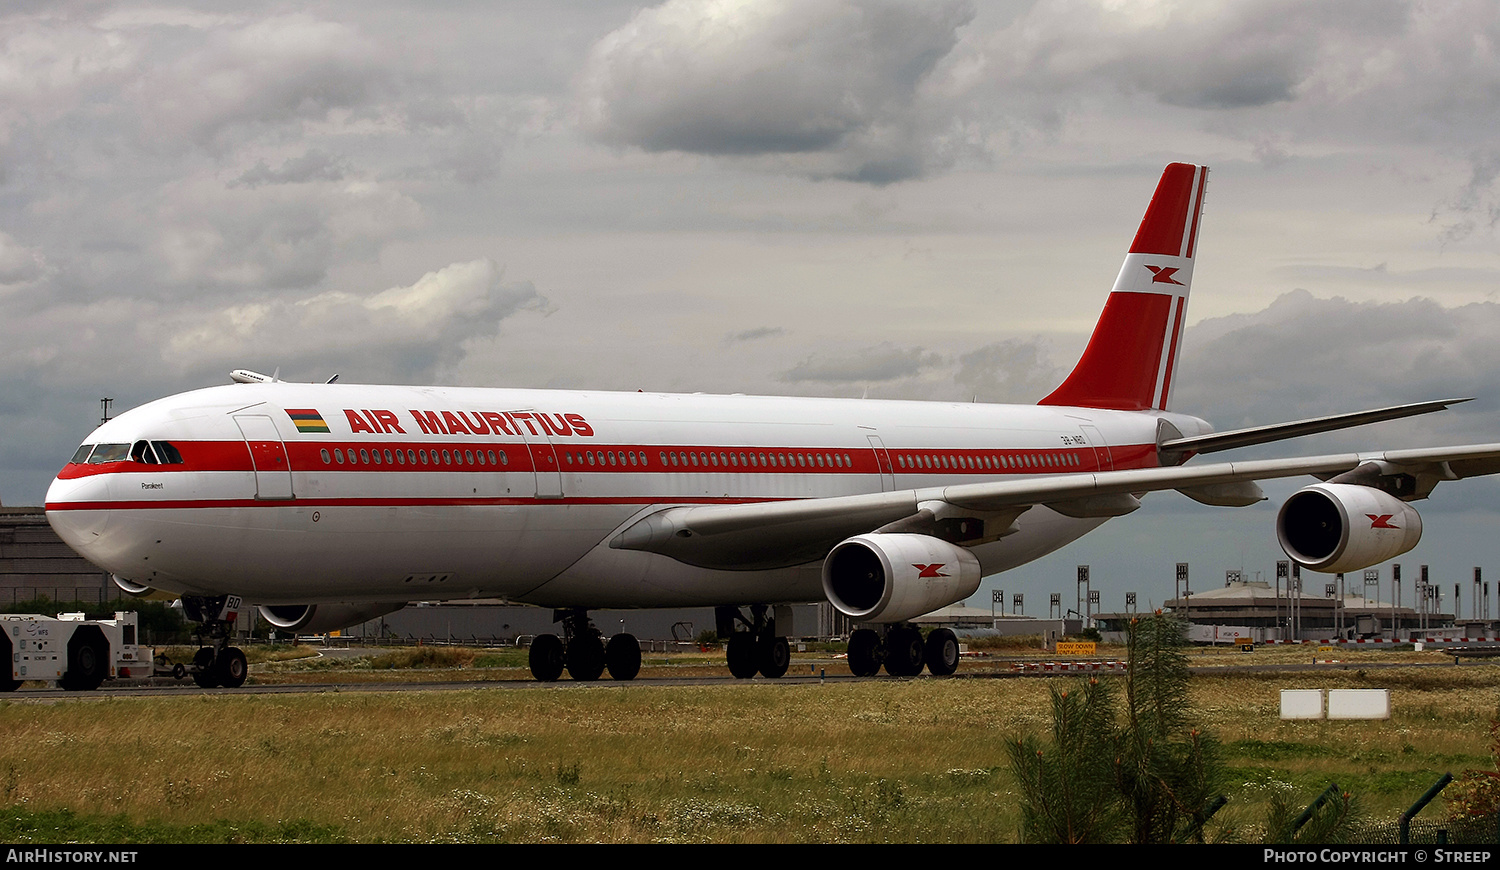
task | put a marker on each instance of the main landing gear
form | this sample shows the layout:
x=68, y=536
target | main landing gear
x=757, y=648
x=216, y=663
x=582, y=651
x=902, y=651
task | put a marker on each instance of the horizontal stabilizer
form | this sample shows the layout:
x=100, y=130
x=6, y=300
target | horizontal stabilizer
x=1217, y=441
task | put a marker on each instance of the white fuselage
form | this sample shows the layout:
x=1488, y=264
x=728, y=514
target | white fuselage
x=301, y=493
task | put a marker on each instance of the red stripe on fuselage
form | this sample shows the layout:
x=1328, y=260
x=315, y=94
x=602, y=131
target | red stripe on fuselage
x=200, y=456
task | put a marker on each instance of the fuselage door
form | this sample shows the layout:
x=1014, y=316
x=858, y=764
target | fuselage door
x=548, y=475
x=273, y=474
x=883, y=462
x=1101, y=447
x=543, y=458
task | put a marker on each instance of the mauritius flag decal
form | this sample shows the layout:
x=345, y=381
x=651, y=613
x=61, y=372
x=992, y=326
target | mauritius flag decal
x=307, y=420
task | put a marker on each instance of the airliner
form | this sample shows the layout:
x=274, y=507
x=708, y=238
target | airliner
x=329, y=504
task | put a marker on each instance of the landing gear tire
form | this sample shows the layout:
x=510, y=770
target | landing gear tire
x=864, y=653
x=623, y=657
x=773, y=655
x=585, y=658
x=232, y=668
x=903, y=652
x=741, y=655
x=88, y=662
x=942, y=652
x=203, y=668
x=546, y=658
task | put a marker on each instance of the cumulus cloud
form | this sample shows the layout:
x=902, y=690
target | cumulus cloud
x=786, y=78
x=315, y=165
x=884, y=362
x=755, y=334
x=1015, y=370
x=411, y=331
x=1305, y=356
x=1475, y=205
x=264, y=73
x=18, y=263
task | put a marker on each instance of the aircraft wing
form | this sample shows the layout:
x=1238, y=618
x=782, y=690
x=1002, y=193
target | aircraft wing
x=782, y=533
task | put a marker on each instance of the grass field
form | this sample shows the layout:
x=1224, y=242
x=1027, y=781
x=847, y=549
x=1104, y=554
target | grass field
x=899, y=761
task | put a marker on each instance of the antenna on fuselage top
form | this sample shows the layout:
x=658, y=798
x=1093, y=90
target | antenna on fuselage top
x=332, y=379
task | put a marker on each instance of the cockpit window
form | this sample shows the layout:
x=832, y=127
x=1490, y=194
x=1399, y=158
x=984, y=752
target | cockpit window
x=109, y=453
x=144, y=452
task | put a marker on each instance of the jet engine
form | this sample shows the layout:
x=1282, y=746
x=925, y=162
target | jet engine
x=1334, y=527
x=318, y=618
x=895, y=577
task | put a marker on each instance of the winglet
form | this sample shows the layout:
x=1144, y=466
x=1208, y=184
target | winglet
x=1132, y=356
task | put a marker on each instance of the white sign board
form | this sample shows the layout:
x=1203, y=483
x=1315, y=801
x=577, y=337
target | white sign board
x=1359, y=703
x=1302, y=703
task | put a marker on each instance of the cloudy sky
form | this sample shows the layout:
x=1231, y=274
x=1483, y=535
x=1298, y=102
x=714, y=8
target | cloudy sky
x=811, y=197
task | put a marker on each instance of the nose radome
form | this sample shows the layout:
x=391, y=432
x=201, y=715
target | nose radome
x=79, y=527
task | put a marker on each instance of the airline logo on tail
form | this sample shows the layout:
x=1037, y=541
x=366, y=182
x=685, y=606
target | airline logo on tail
x=1133, y=353
x=1163, y=275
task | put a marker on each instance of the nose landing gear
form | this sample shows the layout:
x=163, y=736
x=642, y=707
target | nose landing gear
x=216, y=663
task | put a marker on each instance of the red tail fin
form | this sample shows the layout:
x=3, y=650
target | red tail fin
x=1133, y=353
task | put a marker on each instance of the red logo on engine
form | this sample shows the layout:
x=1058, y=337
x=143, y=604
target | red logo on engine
x=929, y=570
x=1163, y=275
x=1381, y=521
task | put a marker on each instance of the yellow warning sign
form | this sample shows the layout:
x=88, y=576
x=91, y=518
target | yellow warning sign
x=1076, y=647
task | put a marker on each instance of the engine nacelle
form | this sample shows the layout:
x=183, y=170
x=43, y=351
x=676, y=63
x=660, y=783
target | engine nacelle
x=319, y=618
x=895, y=577
x=1334, y=527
